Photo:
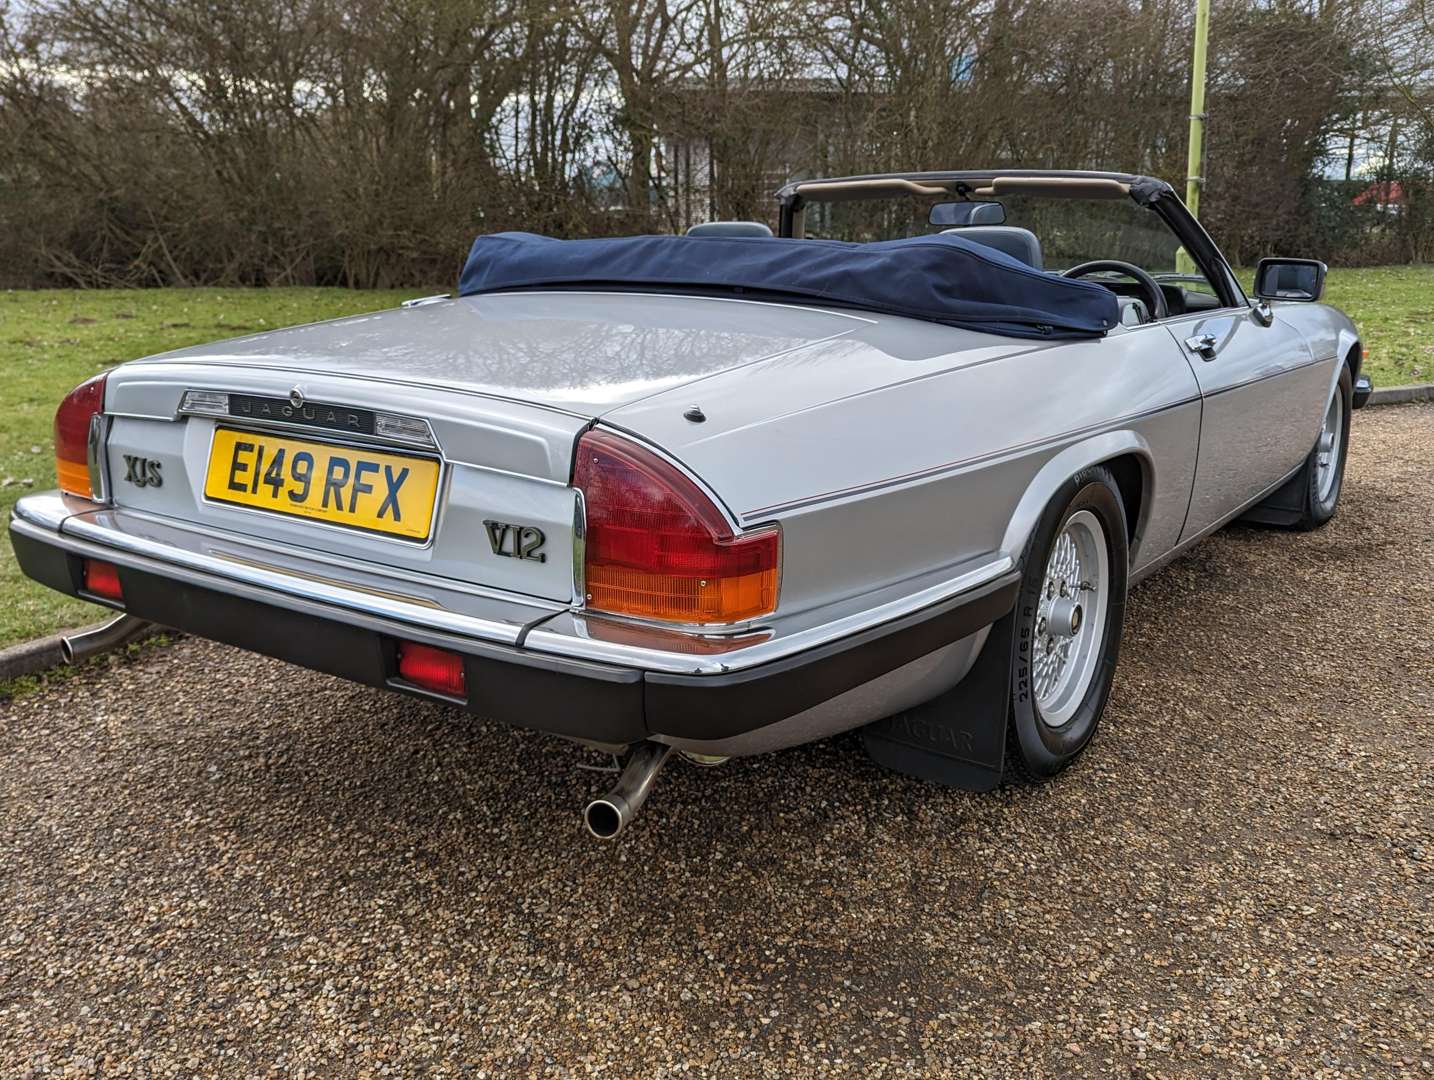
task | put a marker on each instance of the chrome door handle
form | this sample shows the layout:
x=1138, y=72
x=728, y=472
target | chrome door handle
x=1203, y=345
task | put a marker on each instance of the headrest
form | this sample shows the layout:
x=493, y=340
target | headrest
x=730, y=228
x=1014, y=241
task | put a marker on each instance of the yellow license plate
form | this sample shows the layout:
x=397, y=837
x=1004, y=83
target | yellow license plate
x=343, y=485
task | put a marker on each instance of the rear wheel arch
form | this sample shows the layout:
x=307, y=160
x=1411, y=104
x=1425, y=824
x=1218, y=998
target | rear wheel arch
x=1129, y=471
x=1354, y=360
x=1125, y=453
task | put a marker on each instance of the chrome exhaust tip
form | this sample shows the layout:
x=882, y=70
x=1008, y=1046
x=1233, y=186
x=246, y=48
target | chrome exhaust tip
x=608, y=816
x=112, y=635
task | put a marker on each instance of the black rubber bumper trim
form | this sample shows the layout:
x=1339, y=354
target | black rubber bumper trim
x=564, y=697
x=720, y=706
x=578, y=698
x=47, y=564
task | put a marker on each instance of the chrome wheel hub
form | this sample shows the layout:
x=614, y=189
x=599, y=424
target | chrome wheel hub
x=1327, y=449
x=1070, y=618
x=1065, y=617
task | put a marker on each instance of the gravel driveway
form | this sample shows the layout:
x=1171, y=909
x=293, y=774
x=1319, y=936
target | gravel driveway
x=214, y=863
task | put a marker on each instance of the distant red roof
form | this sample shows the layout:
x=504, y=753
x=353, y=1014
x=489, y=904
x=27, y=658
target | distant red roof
x=1382, y=193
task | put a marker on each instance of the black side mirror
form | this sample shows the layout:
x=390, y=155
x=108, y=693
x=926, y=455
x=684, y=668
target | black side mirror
x=958, y=214
x=1290, y=279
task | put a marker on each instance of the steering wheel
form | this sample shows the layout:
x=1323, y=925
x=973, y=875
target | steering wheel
x=1154, y=296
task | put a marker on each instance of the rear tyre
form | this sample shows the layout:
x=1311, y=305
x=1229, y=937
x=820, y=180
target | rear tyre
x=1322, y=476
x=1069, y=615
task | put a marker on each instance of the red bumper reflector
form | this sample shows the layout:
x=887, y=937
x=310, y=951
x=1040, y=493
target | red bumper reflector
x=433, y=669
x=102, y=579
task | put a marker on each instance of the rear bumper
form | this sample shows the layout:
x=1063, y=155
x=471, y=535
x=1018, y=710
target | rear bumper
x=532, y=665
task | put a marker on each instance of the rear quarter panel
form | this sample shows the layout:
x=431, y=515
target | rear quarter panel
x=907, y=448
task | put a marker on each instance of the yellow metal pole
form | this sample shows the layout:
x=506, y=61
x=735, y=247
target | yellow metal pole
x=1194, y=164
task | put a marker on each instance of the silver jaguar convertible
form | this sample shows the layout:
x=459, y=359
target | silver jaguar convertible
x=893, y=468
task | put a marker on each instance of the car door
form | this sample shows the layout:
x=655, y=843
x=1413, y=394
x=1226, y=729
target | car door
x=1262, y=393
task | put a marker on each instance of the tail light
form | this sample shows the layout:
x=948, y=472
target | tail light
x=72, y=435
x=658, y=548
x=433, y=669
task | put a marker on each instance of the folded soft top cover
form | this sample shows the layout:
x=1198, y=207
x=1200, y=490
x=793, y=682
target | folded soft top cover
x=941, y=278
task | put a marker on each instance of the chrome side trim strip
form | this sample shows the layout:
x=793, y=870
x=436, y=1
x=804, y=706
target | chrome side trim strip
x=952, y=467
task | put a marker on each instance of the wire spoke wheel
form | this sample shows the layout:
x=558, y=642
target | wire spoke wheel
x=1328, y=451
x=1068, y=623
x=1071, y=618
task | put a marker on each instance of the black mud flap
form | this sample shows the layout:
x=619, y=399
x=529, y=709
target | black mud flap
x=959, y=738
x=1363, y=389
x=1283, y=506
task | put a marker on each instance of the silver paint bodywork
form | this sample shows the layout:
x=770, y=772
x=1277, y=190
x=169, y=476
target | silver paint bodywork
x=906, y=462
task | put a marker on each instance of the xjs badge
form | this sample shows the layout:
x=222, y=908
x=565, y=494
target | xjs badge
x=142, y=472
x=516, y=541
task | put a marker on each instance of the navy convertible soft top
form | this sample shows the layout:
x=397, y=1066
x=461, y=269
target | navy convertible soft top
x=941, y=278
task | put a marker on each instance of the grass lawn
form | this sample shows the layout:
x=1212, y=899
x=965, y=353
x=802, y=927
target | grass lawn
x=51, y=340
x=1393, y=307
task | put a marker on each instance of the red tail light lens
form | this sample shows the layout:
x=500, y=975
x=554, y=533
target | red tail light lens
x=658, y=548
x=102, y=579
x=72, y=435
x=433, y=669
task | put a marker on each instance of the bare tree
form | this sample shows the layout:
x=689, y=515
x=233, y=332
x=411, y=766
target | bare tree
x=365, y=143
